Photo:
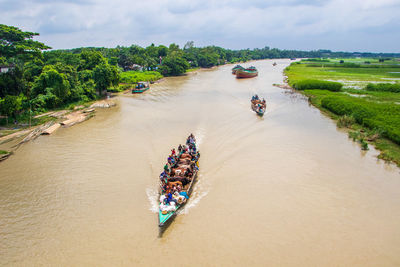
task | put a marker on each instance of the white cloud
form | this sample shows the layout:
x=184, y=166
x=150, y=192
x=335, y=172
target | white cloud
x=294, y=24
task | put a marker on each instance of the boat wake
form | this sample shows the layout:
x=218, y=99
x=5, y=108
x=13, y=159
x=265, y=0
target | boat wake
x=198, y=193
x=152, y=196
x=199, y=137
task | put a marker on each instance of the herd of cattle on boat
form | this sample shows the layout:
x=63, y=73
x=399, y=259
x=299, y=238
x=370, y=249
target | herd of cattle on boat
x=177, y=179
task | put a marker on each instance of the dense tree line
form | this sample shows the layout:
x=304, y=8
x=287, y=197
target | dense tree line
x=43, y=80
x=37, y=80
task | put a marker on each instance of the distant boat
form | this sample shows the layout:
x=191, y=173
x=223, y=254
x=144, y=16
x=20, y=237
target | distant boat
x=274, y=64
x=141, y=87
x=237, y=67
x=258, y=106
x=247, y=73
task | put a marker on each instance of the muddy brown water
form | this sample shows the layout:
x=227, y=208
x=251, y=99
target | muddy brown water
x=287, y=189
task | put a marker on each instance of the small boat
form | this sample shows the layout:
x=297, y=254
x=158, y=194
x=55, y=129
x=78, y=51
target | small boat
x=237, y=67
x=141, y=87
x=247, y=73
x=258, y=106
x=182, y=174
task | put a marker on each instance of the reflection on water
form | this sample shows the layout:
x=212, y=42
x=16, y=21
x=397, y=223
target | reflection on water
x=284, y=189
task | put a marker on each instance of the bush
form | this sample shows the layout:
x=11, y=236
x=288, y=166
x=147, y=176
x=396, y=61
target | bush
x=383, y=117
x=137, y=76
x=345, y=121
x=317, y=84
x=383, y=87
x=317, y=59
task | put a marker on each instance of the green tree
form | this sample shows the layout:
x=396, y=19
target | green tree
x=90, y=59
x=17, y=43
x=12, y=82
x=104, y=76
x=10, y=105
x=174, y=64
x=51, y=82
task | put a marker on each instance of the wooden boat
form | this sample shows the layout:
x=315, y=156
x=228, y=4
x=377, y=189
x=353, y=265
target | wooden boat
x=247, y=73
x=237, y=67
x=141, y=87
x=258, y=106
x=165, y=216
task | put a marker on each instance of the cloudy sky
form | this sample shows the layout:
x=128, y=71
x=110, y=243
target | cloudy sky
x=338, y=25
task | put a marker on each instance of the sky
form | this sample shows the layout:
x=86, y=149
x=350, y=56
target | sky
x=337, y=25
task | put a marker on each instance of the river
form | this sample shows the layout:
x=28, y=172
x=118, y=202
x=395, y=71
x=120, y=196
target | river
x=287, y=189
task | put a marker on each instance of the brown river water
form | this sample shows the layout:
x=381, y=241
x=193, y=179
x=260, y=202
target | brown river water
x=287, y=189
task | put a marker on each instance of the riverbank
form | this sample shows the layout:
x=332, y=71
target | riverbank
x=369, y=117
x=49, y=123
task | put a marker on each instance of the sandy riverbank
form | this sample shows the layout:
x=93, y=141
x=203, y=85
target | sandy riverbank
x=57, y=119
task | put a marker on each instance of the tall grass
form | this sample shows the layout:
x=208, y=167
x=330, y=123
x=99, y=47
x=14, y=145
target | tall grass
x=383, y=87
x=317, y=84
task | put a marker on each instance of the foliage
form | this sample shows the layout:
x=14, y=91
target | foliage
x=15, y=42
x=12, y=82
x=104, y=76
x=345, y=121
x=90, y=59
x=383, y=87
x=174, y=64
x=137, y=76
x=10, y=105
x=317, y=84
x=52, y=83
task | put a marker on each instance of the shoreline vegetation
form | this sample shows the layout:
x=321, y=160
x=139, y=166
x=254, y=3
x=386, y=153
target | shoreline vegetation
x=361, y=95
x=35, y=84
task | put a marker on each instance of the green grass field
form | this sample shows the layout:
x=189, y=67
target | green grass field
x=371, y=116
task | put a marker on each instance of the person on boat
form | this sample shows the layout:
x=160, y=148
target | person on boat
x=180, y=149
x=193, y=151
x=165, y=188
x=183, y=193
x=169, y=198
x=193, y=138
x=166, y=168
x=163, y=177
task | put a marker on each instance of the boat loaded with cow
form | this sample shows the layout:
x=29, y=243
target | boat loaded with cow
x=177, y=180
